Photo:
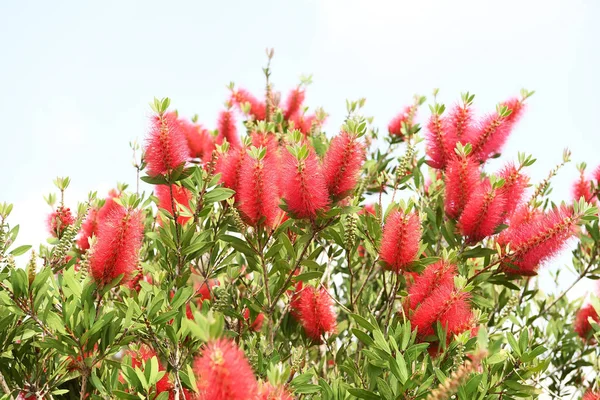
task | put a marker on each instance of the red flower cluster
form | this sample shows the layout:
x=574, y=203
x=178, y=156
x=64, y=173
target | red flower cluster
x=462, y=178
x=59, y=220
x=94, y=218
x=166, y=146
x=343, y=162
x=400, y=241
x=138, y=360
x=223, y=372
x=304, y=187
x=181, y=196
x=258, y=109
x=227, y=130
x=119, y=241
x=486, y=136
x=405, y=117
x=270, y=392
x=314, y=310
x=584, y=187
x=433, y=298
x=591, y=395
x=199, y=140
x=255, y=324
x=483, y=213
x=535, y=237
x=582, y=325
x=258, y=192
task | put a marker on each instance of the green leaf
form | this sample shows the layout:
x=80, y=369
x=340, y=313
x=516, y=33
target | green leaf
x=20, y=250
x=218, y=194
x=363, y=394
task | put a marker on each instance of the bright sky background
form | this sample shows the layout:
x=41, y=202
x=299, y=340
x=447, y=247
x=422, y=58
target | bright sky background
x=77, y=77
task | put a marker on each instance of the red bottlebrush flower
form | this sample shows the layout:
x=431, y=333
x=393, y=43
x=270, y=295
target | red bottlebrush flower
x=258, y=192
x=446, y=305
x=89, y=228
x=294, y=102
x=591, y=395
x=439, y=149
x=537, y=240
x=59, y=220
x=257, y=323
x=583, y=188
x=227, y=130
x=400, y=241
x=462, y=178
x=514, y=187
x=205, y=289
x=483, y=213
x=116, y=251
x=229, y=165
x=109, y=206
x=181, y=196
x=597, y=176
x=304, y=187
x=405, y=117
x=315, y=310
x=223, y=372
x=270, y=392
x=303, y=123
x=492, y=132
x=459, y=126
x=343, y=162
x=434, y=276
x=581, y=325
x=368, y=209
x=258, y=109
x=199, y=139
x=166, y=145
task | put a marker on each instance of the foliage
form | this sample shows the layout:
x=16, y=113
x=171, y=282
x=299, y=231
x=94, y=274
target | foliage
x=303, y=293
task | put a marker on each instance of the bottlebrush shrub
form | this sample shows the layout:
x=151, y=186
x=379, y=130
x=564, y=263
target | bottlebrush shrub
x=271, y=260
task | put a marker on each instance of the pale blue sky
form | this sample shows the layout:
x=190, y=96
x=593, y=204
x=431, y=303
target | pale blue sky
x=76, y=77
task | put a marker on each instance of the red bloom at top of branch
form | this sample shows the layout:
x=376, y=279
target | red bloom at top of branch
x=315, y=310
x=462, y=178
x=459, y=126
x=581, y=325
x=116, y=251
x=270, y=392
x=293, y=102
x=59, y=220
x=400, y=241
x=583, y=188
x=229, y=165
x=405, y=117
x=258, y=192
x=493, y=130
x=438, y=148
x=446, y=305
x=258, y=108
x=434, y=276
x=109, y=205
x=303, y=123
x=89, y=227
x=591, y=395
x=537, y=240
x=166, y=145
x=304, y=187
x=199, y=139
x=257, y=323
x=227, y=130
x=515, y=184
x=483, y=213
x=181, y=196
x=343, y=162
x=223, y=372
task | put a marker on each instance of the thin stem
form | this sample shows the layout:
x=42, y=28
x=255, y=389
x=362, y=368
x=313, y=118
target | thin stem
x=5, y=387
x=84, y=378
